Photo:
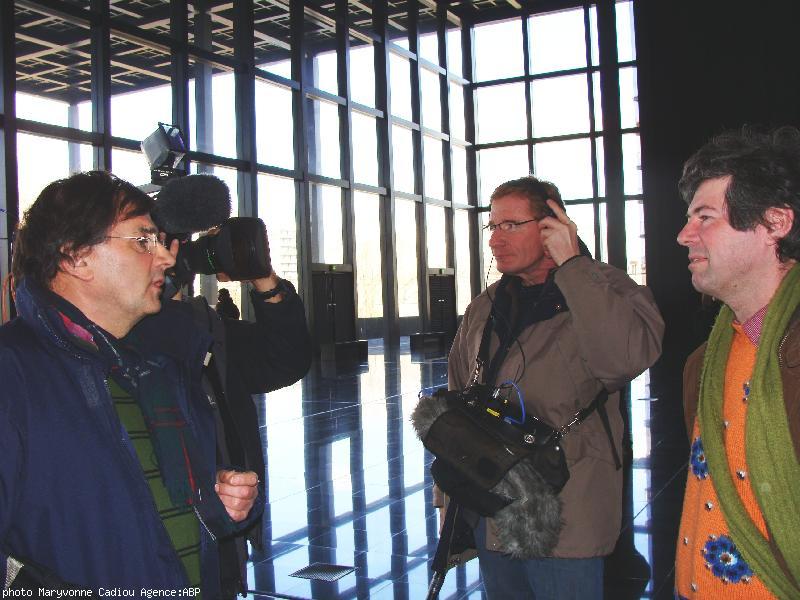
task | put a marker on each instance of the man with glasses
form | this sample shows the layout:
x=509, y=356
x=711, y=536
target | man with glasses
x=564, y=330
x=109, y=476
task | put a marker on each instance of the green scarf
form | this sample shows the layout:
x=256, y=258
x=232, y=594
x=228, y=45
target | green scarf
x=771, y=460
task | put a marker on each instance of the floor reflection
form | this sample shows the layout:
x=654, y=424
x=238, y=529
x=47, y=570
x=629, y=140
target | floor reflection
x=348, y=484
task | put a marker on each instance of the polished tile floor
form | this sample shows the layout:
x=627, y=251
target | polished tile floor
x=347, y=484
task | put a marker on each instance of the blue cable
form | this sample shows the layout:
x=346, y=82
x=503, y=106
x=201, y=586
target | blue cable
x=521, y=403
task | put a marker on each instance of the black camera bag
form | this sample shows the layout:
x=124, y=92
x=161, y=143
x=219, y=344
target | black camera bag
x=475, y=450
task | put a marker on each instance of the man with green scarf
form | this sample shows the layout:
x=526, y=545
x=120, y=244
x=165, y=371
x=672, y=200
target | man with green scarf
x=741, y=512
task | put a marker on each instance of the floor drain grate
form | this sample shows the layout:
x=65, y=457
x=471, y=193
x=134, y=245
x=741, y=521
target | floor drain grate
x=323, y=571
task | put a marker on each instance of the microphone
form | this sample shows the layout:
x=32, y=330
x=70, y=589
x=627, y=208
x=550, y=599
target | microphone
x=191, y=204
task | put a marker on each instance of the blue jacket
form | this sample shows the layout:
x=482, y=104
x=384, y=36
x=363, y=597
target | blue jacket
x=72, y=495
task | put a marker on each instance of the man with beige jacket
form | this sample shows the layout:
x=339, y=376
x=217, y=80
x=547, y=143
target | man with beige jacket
x=565, y=327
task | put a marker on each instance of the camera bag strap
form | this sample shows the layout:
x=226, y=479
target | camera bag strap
x=598, y=403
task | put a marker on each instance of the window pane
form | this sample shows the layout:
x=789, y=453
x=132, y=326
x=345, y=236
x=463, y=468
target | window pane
x=634, y=241
x=400, y=81
x=434, y=168
x=632, y=163
x=567, y=164
x=274, y=125
x=130, y=166
x=365, y=149
x=431, y=100
x=212, y=109
x=55, y=112
x=501, y=113
x=319, y=33
x=135, y=66
x=435, y=236
x=325, y=77
x=454, y=56
x=628, y=98
x=603, y=232
x=323, y=142
x=598, y=102
x=63, y=159
x=457, y=127
x=593, y=35
x=560, y=106
x=601, y=167
x=558, y=41
x=406, y=234
x=497, y=165
x=368, y=255
x=583, y=216
x=626, y=40
x=326, y=225
x=53, y=68
x=458, y=163
x=280, y=67
x=498, y=50
x=362, y=73
x=402, y=159
x=429, y=47
x=276, y=207
x=462, y=255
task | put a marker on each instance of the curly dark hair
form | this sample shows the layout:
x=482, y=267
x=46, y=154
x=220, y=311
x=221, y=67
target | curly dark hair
x=764, y=167
x=537, y=191
x=69, y=215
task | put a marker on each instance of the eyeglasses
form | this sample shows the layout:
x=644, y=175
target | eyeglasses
x=144, y=243
x=509, y=226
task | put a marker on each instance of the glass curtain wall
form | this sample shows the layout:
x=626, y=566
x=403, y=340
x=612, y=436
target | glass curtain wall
x=540, y=108
x=266, y=99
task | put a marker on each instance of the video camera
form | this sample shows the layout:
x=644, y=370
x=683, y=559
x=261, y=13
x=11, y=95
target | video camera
x=236, y=246
x=189, y=204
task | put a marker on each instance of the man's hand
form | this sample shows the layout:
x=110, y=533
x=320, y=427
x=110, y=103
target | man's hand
x=237, y=491
x=559, y=235
x=174, y=246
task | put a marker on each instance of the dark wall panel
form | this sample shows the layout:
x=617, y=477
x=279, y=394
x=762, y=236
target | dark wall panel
x=703, y=67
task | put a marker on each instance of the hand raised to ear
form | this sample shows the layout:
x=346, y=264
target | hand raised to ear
x=559, y=235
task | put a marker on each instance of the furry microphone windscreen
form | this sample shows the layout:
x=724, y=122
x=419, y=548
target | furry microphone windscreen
x=530, y=526
x=191, y=204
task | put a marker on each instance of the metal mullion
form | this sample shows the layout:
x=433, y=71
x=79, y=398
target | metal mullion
x=9, y=201
x=69, y=134
x=526, y=59
x=346, y=135
x=612, y=141
x=592, y=129
x=318, y=94
x=303, y=214
x=244, y=98
x=467, y=69
x=386, y=179
x=100, y=35
x=279, y=171
x=447, y=163
x=179, y=67
x=370, y=189
x=367, y=110
x=203, y=85
x=419, y=168
x=272, y=77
